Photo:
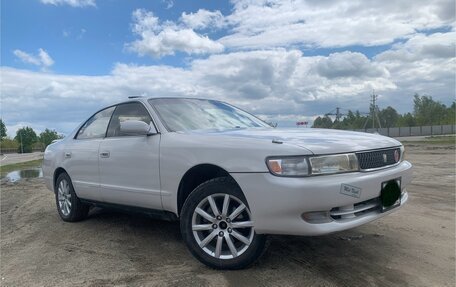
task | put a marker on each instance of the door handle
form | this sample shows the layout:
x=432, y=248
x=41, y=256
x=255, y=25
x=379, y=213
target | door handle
x=104, y=154
x=67, y=154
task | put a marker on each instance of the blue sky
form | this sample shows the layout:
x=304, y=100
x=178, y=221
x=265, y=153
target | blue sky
x=286, y=61
x=84, y=40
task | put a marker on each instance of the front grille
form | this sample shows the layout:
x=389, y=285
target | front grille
x=378, y=158
x=355, y=210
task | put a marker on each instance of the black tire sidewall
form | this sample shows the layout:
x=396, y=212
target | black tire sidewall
x=78, y=210
x=216, y=186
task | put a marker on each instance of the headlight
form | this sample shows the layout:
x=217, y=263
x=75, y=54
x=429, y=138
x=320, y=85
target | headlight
x=304, y=166
x=334, y=163
x=288, y=166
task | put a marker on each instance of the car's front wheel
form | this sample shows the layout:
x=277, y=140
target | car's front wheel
x=69, y=206
x=217, y=226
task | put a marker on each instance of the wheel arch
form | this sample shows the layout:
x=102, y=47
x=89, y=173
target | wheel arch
x=194, y=177
x=57, y=172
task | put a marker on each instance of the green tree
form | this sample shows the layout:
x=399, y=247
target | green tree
x=26, y=137
x=427, y=111
x=48, y=136
x=406, y=120
x=323, y=122
x=2, y=130
x=353, y=120
x=388, y=117
x=359, y=120
x=8, y=144
x=450, y=116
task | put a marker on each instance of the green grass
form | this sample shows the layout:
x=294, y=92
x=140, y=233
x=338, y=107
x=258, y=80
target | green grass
x=18, y=166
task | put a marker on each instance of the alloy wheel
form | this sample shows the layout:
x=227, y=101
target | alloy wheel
x=64, y=197
x=222, y=226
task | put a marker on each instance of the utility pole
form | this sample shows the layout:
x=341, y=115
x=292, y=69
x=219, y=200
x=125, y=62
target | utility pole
x=338, y=115
x=373, y=111
x=373, y=108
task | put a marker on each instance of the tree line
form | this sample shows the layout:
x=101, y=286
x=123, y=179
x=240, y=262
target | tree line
x=26, y=139
x=426, y=111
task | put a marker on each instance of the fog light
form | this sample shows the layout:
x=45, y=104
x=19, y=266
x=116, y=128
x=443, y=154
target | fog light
x=317, y=217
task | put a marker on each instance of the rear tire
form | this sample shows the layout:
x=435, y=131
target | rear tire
x=217, y=226
x=69, y=206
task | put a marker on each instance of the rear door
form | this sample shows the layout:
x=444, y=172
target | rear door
x=129, y=164
x=81, y=155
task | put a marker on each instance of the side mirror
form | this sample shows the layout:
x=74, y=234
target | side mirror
x=134, y=127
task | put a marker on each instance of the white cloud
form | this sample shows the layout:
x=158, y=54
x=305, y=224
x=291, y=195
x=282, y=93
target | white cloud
x=276, y=83
x=42, y=60
x=331, y=23
x=73, y=3
x=260, y=24
x=423, y=64
x=77, y=34
x=81, y=33
x=203, y=19
x=419, y=46
x=169, y=3
x=161, y=39
x=46, y=60
x=262, y=69
x=27, y=58
x=348, y=64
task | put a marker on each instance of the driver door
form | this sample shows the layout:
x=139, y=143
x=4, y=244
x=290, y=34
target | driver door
x=129, y=164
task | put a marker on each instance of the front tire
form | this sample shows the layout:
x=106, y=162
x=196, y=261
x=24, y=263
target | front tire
x=69, y=206
x=217, y=226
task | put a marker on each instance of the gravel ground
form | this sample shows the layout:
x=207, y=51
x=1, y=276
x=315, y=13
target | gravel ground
x=412, y=247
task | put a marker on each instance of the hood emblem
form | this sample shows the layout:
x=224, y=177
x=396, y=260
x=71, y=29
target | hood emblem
x=385, y=158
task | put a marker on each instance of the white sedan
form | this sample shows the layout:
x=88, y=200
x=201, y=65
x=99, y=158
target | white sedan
x=229, y=177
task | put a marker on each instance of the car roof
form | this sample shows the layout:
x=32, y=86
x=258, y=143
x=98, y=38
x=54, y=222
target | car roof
x=184, y=98
x=145, y=99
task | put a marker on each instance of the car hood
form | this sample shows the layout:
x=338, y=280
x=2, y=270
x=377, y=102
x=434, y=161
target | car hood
x=317, y=141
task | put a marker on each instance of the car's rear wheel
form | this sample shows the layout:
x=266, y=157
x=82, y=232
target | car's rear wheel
x=69, y=206
x=217, y=226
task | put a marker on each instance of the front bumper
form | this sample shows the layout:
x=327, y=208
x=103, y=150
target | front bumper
x=279, y=204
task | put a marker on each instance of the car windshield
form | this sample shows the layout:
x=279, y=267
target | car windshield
x=196, y=114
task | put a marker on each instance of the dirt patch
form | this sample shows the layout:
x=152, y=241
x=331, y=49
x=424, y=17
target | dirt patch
x=412, y=247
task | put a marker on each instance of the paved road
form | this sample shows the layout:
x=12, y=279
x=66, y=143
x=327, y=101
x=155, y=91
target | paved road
x=11, y=158
x=419, y=138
